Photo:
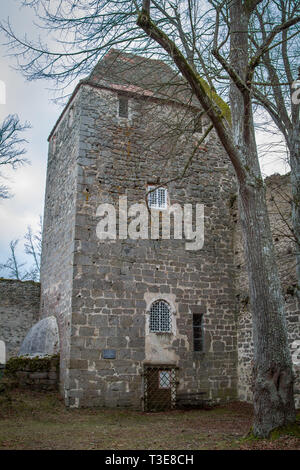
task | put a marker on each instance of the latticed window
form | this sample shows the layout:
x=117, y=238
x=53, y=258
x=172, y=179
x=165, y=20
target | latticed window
x=160, y=317
x=198, y=331
x=157, y=198
x=123, y=106
x=164, y=379
x=159, y=388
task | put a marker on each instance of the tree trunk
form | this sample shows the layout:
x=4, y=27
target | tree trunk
x=295, y=182
x=273, y=388
x=273, y=397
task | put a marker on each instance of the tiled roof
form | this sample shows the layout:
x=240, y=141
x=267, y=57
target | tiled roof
x=129, y=73
x=141, y=75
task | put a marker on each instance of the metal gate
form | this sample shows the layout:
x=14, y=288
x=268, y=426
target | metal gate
x=159, y=388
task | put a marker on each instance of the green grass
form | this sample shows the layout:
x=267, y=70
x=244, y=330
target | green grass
x=32, y=420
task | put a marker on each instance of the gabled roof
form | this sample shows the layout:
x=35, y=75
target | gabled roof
x=137, y=75
x=148, y=77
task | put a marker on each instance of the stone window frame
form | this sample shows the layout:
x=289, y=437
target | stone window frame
x=150, y=299
x=160, y=318
x=158, y=188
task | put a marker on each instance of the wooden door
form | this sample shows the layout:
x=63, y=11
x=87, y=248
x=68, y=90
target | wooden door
x=159, y=389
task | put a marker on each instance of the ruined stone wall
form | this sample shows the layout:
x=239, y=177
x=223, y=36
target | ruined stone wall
x=278, y=200
x=19, y=310
x=58, y=232
x=116, y=281
x=41, y=374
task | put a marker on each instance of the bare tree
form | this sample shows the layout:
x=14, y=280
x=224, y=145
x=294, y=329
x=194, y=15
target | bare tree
x=273, y=393
x=274, y=88
x=12, y=266
x=11, y=146
x=189, y=37
x=33, y=247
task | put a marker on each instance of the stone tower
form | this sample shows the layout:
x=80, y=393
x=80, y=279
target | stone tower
x=144, y=323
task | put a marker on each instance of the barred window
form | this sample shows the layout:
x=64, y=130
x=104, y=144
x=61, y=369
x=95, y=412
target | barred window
x=164, y=379
x=123, y=106
x=198, y=331
x=160, y=317
x=157, y=199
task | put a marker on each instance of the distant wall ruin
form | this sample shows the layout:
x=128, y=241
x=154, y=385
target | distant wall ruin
x=278, y=200
x=19, y=310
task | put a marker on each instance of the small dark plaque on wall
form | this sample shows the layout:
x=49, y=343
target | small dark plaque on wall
x=109, y=354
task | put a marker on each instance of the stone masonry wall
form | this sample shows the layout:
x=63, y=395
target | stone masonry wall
x=58, y=235
x=116, y=281
x=278, y=199
x=19, y=310
x=40, y=374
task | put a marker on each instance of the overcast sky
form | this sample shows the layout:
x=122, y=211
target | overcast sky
x=33, y=102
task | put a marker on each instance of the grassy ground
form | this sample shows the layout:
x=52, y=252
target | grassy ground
x=41, y=421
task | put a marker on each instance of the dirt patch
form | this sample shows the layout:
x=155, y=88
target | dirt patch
x=34, y=420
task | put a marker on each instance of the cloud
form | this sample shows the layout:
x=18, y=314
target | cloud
x=32, y=102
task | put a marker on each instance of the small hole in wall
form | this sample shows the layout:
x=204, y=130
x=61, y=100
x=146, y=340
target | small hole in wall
x=71, y=116
x=123, y=106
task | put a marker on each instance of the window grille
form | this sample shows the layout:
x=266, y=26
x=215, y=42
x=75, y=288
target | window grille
x=164, y=379
x=123, y=107
x=198, y=331
x=157, y=198
x=160, y=385
x=160, y=317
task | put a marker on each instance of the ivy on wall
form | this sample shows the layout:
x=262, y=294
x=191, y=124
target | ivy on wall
x=31, y=364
